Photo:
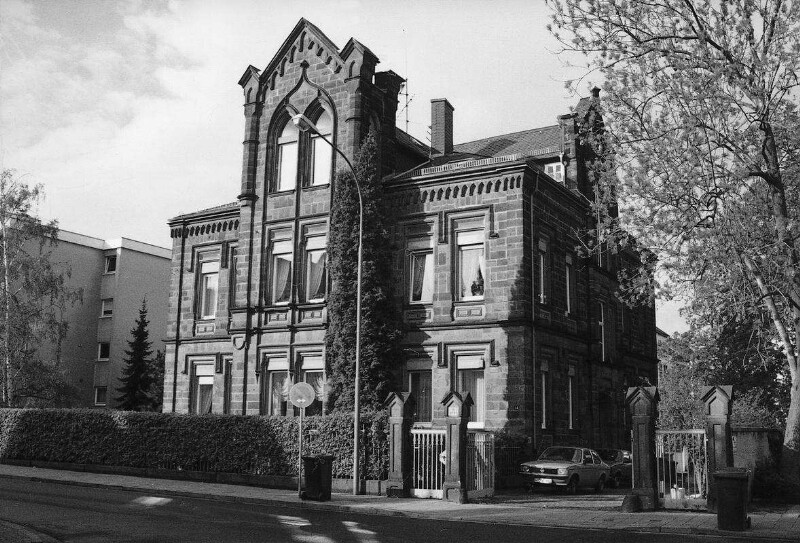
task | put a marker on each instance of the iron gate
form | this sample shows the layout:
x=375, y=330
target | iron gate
x=682, y=469
x=428, y=462
x=480, y=464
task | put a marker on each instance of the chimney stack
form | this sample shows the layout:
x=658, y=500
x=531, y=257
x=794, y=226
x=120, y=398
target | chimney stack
x=441, y=126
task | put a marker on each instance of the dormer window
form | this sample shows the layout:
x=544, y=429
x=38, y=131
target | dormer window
x=555, y=170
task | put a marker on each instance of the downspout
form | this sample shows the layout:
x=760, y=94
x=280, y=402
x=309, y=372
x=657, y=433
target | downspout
x=533, y=321
x=589, y=340
x=248, y=315
x=178, y=318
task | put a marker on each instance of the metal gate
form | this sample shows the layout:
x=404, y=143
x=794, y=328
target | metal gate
x=480, y=464
x=682, y=469
x=428, y=462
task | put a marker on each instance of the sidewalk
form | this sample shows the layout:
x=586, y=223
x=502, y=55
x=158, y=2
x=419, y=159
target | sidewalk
x=545, y=510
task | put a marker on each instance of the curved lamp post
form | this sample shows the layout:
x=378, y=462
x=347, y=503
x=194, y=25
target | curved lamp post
x=304, y=123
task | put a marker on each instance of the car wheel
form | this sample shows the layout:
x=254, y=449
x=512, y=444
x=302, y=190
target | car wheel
x=617, y=480
x=572, y=485
x=601, y=483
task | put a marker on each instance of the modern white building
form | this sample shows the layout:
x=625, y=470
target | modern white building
x=115, y=276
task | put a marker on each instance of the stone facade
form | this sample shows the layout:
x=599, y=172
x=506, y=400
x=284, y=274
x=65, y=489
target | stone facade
x=494, y=299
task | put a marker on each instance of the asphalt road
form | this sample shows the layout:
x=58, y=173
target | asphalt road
x=83, y=514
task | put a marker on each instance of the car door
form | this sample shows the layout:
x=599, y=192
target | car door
x=588, y=471
x=599, y=469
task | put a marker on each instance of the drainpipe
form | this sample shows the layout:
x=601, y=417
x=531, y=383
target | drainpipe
x=178, y=318
x=248, y=316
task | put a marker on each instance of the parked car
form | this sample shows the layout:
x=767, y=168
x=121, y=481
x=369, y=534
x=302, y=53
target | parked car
x=567, y=467
x=621, y=465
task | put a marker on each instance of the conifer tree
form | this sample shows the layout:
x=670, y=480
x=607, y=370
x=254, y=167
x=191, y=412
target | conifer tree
x=379, y=324
x=137, y=379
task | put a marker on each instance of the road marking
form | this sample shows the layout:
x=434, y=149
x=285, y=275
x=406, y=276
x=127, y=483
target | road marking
x=362, y=534
x=292, y=521
x=151, y=501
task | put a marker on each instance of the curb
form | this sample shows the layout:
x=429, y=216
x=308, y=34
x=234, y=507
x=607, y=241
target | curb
x=23, y=534
x=378, y=511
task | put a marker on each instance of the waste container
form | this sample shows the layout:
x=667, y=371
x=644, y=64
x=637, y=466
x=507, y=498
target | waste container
x=731, y=487
x=318, y=474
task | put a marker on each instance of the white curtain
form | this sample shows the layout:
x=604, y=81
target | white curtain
x=317, y=275
x=282, y=283
x=471, y=272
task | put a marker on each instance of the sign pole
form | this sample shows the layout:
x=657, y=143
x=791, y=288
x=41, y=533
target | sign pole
x=301, y=395
x=300, y=456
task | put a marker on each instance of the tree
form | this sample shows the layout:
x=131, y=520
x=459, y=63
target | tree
x=701, y=109
x=721, y=356
x=33, y=298
x=379, y=328
x=140, y=375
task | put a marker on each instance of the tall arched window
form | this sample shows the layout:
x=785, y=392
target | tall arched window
x=321, y=152
x=304, y=158
x=287, y=157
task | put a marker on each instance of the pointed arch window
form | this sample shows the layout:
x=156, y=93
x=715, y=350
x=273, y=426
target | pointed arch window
x=304, y=158
x=321, y=152
x=288, y=145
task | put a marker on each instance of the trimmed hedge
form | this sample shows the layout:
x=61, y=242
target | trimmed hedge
x=219, y=443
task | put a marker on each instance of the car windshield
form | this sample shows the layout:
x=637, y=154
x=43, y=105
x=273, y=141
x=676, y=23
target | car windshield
x=563, y=454
x=608, y=455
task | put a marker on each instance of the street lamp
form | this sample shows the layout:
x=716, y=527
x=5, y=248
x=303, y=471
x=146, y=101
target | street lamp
x=304, y=123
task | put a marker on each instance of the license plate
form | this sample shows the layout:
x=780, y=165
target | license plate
x=544, y=481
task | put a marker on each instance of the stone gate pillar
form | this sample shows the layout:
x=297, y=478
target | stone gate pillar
x=717, y=401
x=457, y=409
x=401, y=415
x=642, y=404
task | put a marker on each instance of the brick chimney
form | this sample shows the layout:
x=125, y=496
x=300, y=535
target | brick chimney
x=441, y=126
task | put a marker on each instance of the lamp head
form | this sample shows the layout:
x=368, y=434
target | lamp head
x=304, y=123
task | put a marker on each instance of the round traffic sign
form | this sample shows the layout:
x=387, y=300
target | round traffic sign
x=302, y=395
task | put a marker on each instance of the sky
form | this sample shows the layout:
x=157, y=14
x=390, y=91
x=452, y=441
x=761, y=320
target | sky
x=129, y=113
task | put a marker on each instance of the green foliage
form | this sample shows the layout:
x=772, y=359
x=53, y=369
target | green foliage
x=33, y=300
x=140, y=374
x=379, y=323
x=702, y=108
x=727, y=356
x=223, y=443
x=679, y=384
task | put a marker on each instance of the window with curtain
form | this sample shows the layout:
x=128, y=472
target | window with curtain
x=316, y=273
x=209, y=287
x=278, y=392
x=470, y=368
x=322, y=152
x=471, y=265
x=316, y=379
x=275, y=384
x=203, y=389
x=281, y=283
x=288, y=145
x=421, y=288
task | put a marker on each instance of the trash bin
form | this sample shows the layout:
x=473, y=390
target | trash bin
x=318, y=474
x=731, y=487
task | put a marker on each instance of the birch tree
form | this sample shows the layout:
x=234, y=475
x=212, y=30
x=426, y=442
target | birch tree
x=700, y=106
x=33, y=298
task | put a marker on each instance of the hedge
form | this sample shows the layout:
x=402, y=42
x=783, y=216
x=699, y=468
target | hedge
x=221, y=443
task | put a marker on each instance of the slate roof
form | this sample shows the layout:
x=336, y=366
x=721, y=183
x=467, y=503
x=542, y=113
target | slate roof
x=407, y=140
x=209, y=210
x=534, y=142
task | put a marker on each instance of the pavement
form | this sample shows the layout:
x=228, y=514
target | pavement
x=546, y=509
